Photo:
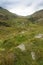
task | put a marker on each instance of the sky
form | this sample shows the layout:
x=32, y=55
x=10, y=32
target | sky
x=22, y=7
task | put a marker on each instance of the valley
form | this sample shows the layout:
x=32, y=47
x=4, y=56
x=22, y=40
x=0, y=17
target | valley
x=21, y=38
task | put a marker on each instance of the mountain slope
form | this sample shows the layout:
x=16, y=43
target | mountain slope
x=11, y=23
x=6, y=16
x=37, y=17
x=6, y=13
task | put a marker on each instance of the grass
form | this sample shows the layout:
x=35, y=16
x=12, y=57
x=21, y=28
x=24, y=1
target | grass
x=31, y=44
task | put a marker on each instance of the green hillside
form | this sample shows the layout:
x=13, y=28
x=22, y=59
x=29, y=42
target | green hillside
x=21, y=38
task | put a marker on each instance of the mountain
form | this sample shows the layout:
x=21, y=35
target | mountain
x=21, y=38
x=37, y=17
x=10, y=22
x=11, y=18
x=6, y=16
x=38, y=14
x=6, y=13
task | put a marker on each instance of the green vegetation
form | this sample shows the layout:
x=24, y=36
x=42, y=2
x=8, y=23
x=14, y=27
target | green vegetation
x=16, y=30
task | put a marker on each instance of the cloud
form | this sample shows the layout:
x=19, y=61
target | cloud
x=22, y=7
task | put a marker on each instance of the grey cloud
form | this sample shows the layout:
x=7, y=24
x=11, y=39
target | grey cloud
x=22, y=4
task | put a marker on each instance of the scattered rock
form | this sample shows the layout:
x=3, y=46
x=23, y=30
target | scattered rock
x=39, y=36
x=33, y=55
x=23, y=32
x=22, y=47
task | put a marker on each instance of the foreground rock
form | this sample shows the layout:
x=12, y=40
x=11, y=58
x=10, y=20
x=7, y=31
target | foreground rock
x=22, y=47
x=33, y=55
x=39, y=36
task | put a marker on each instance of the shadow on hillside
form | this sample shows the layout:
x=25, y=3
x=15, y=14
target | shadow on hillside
x=4, y=24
